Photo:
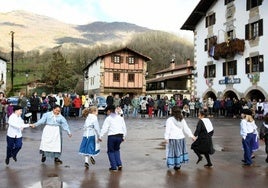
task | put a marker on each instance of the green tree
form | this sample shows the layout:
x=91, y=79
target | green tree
x=59, y=74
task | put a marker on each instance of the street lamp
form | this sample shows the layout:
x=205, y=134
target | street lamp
x=26, y=75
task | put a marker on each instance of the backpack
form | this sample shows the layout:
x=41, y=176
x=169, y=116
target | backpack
x=1, y=107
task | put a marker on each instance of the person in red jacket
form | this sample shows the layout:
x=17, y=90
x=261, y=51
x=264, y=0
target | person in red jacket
x=77, y=103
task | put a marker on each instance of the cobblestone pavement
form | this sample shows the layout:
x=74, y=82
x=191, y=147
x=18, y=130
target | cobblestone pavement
x=143, y=156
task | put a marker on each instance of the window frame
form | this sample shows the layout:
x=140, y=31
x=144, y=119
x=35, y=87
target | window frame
x=229, y=68
x=116, y=59
x=227, y=1
x=253, y=3
x=210, y=19
x=131, y=77
x=254, y=30
x=254, y=64
x=131, y=60
x=116, y=77
x=210, y=71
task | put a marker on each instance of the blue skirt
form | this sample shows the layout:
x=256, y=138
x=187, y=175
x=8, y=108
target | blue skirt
x=176, y=153
x=87, y=146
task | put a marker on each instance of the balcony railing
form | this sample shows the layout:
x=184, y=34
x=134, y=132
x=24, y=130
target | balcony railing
x=227, y=49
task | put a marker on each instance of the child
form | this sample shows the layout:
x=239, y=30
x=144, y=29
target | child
x=264, y=134
x=14, y=133
x=89, y=145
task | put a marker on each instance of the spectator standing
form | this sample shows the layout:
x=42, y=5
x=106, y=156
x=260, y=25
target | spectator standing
x=44, y=104
x=23, y=103
x=67, y=104
x=150, y=106
x=127, y=102
x=110, y=99
x=135, y=104
x=52, y=101
x=77, y=103
x=35, y=104
x=192, y=107
x=60, y=100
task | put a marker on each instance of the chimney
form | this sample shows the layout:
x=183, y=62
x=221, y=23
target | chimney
x=188, y=62
x=172, y=64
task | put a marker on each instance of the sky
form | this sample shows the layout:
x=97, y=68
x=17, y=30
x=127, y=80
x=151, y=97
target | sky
x=165, y=15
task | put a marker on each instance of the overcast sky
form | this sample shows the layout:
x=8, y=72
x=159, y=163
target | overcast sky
x=166, y=15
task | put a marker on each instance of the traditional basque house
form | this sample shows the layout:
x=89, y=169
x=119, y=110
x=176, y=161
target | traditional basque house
x=230, y=41
x=120, y=72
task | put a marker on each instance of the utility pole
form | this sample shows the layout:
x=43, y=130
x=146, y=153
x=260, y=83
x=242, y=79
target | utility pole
x=12, y=59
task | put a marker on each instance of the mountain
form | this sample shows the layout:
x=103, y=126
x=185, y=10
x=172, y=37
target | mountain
x=37, y=32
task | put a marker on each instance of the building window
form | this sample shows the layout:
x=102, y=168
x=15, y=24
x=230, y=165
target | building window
x=210, y=20
x=209, y=42
x=116, y=59
x=254, y=30
x=131, y=77
x=227, y=1
x=210, y=71
x=229, y=68
x=116, y=77
x=131, y=60
x=254, y=64
x=253, y=3
x=230, y=34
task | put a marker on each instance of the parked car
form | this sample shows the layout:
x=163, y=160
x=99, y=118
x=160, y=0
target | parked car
x=14, y=100
x=101, y=104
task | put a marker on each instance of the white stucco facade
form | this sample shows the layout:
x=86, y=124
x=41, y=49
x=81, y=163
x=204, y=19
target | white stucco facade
x=232, y=17
x=3, y=71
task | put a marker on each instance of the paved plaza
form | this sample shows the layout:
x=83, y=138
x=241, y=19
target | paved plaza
x=143, y=156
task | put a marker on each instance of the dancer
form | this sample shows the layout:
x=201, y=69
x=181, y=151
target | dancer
x=89, y=145
x=51, y=141
x=115, y=125
x=14, y=133
x=203, y=144
x=176, y=126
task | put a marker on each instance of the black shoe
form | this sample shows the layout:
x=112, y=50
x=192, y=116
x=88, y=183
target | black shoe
x=57, y=160
x=246, y=165
x=86, y=165
x=199, y=159
x=15, y=159
x=266, y=160
x=43, y=159
x=208, y=166
x=92, y=160
x=7, y=161
x=119, y=168
x=253, y=156
x=243, y=161
x=177, y=168
x=112, y=170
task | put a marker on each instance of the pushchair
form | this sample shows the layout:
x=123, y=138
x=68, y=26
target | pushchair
x=27, y=117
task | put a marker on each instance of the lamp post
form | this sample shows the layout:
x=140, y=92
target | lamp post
x=26, y=75
x=12, y=58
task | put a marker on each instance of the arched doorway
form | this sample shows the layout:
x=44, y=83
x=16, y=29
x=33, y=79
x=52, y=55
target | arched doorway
x=211, y=95
x=230, y=94
x=255, y=94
